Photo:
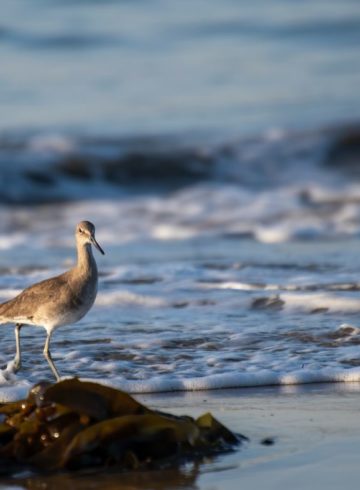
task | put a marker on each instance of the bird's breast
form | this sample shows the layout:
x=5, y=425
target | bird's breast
x=70, y=307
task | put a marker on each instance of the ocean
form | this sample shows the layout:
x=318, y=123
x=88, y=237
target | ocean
x=216, y=147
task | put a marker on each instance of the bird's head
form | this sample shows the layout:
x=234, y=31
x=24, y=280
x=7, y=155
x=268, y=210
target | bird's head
x=85, y=233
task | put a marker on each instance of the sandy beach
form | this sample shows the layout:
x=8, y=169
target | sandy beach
x=314, y=428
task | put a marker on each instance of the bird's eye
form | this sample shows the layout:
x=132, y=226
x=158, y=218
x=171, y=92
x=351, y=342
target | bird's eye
x=81, y=230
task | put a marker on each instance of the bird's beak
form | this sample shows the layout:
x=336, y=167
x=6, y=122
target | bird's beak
x=96, y=245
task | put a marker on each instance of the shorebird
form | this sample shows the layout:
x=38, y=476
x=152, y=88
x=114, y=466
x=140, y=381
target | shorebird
x=57, y=301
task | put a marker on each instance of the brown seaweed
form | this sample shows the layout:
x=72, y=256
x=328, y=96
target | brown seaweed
x=77, y=425
x=96, y=400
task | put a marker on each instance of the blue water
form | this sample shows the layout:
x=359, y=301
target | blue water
x=210, y=144
x=161, y=66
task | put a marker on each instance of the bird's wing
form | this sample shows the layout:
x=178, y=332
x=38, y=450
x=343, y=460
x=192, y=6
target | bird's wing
x=24, y=305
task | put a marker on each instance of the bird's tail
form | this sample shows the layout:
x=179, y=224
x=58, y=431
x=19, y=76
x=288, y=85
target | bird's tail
x=3, y=308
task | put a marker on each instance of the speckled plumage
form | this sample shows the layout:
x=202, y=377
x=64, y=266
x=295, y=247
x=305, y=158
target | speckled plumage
x=60, y=300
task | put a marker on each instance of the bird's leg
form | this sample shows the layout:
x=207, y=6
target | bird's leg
x=17, y=360
x=47, y=355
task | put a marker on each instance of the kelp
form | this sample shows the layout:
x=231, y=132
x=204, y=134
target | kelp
x=73, y=425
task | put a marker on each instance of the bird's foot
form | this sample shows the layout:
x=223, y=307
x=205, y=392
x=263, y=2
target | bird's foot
x=16, y=365
x=10, y=369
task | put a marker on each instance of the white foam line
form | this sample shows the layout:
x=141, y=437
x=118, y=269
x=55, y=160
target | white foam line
x=126, y=297
x=163, y=384
x=238, y=380
x=308, y=302
x=241, y=286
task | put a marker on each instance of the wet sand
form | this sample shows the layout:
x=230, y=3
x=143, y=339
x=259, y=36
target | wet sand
x=315, y=429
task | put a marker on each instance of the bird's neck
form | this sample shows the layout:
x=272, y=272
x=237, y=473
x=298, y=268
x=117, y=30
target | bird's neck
x=85, y=259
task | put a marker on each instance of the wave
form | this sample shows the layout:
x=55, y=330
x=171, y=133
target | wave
x=42, y=168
